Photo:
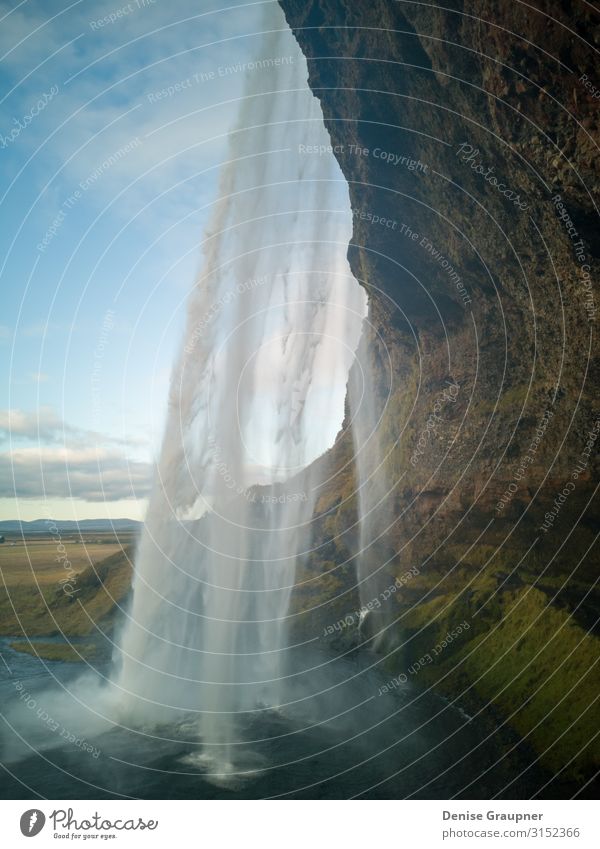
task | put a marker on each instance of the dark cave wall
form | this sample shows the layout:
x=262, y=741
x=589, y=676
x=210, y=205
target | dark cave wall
x=517, y=335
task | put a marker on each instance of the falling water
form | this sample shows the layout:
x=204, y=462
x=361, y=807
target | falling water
x=269, y=367
x=257, y=393
x=373, y=552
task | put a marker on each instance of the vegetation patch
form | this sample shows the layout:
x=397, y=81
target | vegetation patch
x=58, y=651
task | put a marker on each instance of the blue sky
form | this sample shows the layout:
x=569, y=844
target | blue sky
x=107, y=182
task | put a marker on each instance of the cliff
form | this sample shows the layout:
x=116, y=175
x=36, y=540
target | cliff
x=468, y=137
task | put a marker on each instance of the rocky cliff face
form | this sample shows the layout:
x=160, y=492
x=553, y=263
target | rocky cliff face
x=468, y=137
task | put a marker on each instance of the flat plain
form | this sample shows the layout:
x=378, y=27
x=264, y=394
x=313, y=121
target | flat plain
x=49, y=560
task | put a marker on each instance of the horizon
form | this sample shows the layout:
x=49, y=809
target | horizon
x=52, y=519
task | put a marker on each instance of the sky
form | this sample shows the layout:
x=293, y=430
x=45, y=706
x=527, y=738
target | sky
x=114, y=120
x=113, y=127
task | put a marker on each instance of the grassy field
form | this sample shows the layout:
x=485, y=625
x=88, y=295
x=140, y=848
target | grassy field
x=48, y=560
x=51, y=586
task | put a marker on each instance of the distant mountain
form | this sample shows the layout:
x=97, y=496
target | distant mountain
x=42, y=526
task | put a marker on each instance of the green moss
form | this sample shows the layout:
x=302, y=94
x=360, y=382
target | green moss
x=398, y=429
x=527, y=658
x=58, y=651
x=539, y=665
x=510, y=401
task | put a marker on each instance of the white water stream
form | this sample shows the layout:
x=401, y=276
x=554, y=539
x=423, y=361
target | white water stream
x=257, y=394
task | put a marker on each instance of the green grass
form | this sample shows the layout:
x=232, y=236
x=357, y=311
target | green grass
x=58, y=651
x=47, y=610
x=526, y=657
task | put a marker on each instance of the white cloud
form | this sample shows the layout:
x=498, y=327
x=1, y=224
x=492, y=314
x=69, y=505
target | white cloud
x=88, y=474
x=43, y=424
x=66, y=461
x=116, y=68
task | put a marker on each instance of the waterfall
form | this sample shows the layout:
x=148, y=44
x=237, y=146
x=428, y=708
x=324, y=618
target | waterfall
x=374, y=493
x=257, y=393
